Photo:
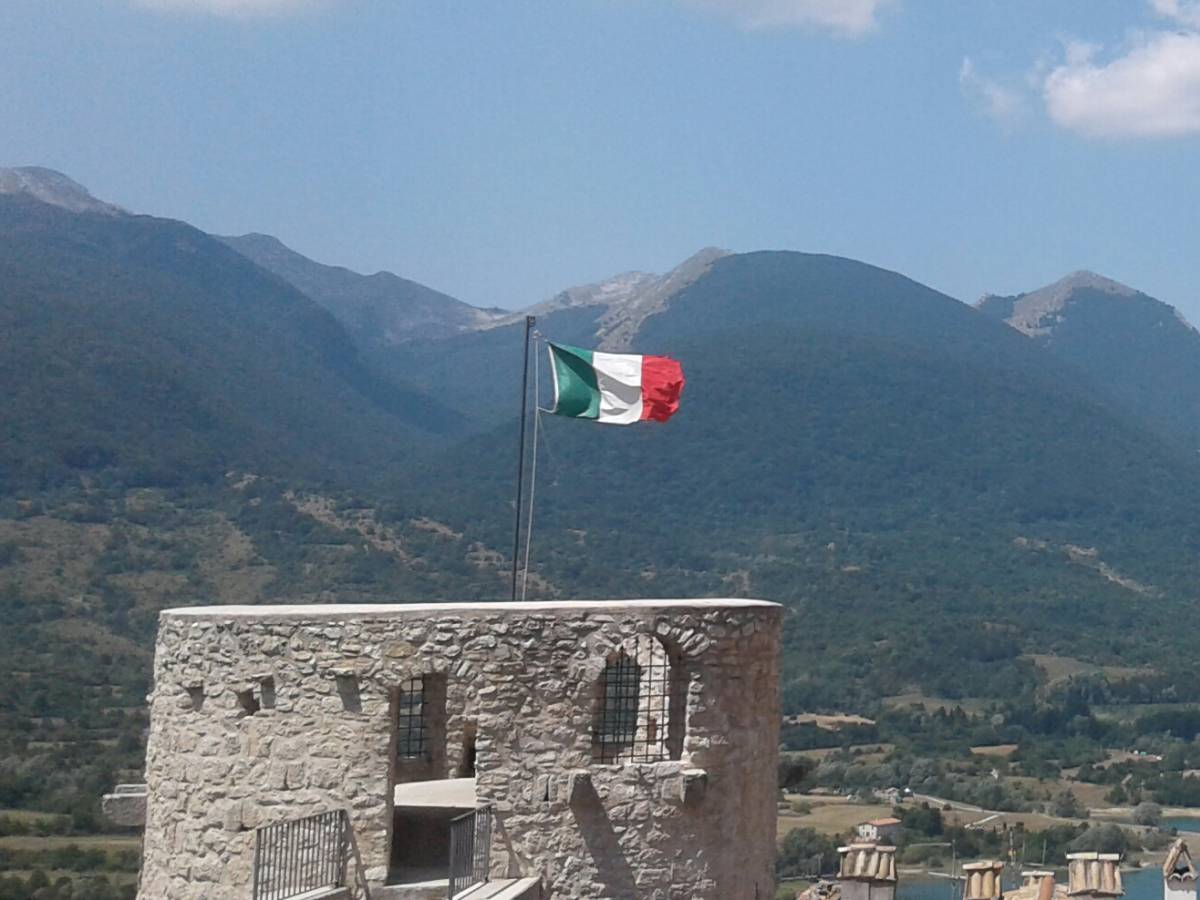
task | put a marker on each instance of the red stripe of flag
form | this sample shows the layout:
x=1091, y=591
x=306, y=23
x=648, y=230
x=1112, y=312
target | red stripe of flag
x=662, y=383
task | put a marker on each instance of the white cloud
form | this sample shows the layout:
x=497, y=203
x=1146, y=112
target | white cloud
x=1002, y=104
x=847, y=17
x=1153, y=90
x=1185, y=12
x=231, y=8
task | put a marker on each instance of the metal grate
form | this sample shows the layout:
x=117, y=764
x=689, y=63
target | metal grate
x=634, y=706
x=411, y=719
x=470, y=849
x=293, y=858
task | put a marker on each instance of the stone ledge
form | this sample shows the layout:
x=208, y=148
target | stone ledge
x=335, y=611
x=126, y=805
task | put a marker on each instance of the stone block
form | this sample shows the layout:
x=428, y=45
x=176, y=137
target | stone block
x=693, y=785
x=126, y=805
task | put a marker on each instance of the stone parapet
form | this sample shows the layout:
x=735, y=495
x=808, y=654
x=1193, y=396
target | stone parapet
x=264, y=714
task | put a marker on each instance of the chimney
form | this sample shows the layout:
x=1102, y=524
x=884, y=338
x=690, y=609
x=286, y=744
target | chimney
x=867, y=872
x=981, y=880
x=1179, y=875
x=1094, y=875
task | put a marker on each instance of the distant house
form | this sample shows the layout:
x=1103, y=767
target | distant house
x=880, y=831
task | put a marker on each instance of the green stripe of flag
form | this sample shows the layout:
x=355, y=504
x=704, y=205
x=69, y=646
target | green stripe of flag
x=575, y=379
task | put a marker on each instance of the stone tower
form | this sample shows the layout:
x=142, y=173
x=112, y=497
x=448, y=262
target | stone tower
x=620, y=749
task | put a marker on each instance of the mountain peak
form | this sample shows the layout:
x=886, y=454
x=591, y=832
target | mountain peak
x=53, y=188
x=1037, y=312
x=1085, y=278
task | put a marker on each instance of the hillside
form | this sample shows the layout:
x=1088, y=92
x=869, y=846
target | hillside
x=140, y=349
x=479, y=373
x=879, y=457
x=1139, y=350
x=936, y=498
x=381, y=309
x=170, y=411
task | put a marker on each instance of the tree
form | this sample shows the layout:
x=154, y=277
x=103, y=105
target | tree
x=805, y=851
x=1102, y=839
x=1066, y=806
x=1148, y=813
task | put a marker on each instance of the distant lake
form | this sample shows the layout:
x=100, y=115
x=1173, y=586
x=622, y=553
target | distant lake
x=1142, y=884
x=1181, y=823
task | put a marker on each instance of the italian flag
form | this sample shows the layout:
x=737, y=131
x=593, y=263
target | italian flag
x=615, y=388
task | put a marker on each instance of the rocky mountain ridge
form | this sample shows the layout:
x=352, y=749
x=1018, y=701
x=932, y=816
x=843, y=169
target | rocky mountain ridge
x=1037, y=312
x=1136, y=350
x=382, y=309
x=53, y=188
x=623, y=302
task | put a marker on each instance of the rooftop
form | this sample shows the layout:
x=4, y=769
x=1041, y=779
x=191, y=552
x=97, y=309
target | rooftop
x=867, y=862
x=392, y=610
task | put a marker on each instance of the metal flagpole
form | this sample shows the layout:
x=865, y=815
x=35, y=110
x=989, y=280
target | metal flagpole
x=529, y=320
x=537, y=422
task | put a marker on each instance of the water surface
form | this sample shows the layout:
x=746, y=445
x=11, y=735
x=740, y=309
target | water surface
x=1142, y=884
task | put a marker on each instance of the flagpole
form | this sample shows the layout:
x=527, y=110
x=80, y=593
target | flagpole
x=537, y=422
x=529, y=320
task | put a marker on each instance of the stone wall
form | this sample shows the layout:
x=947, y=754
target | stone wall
x=263, y=714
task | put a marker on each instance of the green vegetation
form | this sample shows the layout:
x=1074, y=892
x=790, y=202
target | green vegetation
x=804, y=852
x=932, y=497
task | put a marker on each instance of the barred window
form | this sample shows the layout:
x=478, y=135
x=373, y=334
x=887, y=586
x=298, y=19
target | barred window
x=639, y=707
x=412, y=719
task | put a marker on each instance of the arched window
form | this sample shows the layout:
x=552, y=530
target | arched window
x=639, y=705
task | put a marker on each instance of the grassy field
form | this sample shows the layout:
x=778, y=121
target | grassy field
x=831, y=722
x=998, y=750
x=973, y=705
x=1130, y=712
x=829, y=815
x=836, y=816
x=31, y=817
x=89, y=841
x=1060, y=668
x=863, y=752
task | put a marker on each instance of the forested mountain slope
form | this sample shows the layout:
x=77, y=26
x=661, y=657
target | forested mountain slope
x=1139, y=350
x=379, y=310
x=932, y=494
x=910, y=478
x=144, y=349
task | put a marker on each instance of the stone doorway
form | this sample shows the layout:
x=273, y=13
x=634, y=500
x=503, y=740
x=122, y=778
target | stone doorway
x=433, y=781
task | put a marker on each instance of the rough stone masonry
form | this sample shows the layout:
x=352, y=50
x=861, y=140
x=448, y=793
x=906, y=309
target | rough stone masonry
x=268, y=713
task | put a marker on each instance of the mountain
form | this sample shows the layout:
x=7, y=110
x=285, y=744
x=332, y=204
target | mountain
x=380, y=309
x=479, y=373
x=934, y=496
x=142, y=349
x=53, y=188
x=914, y=479
x=622, y=303
x=179, y=426
x=1139, y=350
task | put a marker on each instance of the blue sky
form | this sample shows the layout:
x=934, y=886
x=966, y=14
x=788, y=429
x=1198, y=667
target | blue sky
x=501, y=150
